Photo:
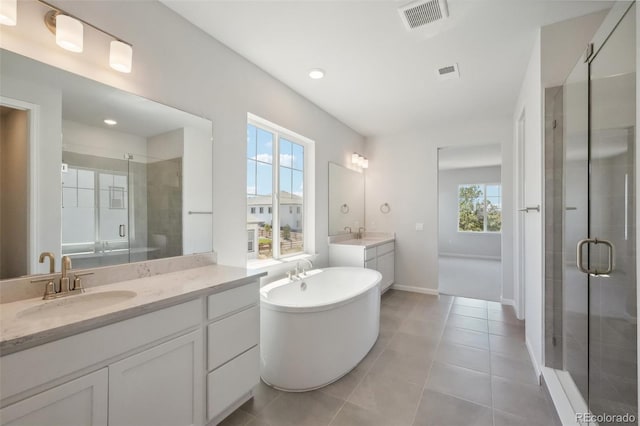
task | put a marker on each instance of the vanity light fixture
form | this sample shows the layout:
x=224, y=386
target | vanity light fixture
x=69, y=30
x=316, y=74
x=69, y=33
x=8, y=12
x=359, y=160
x=110, y=122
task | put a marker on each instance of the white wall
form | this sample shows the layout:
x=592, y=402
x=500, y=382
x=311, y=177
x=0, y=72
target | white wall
x=197, y=176
x=403, y=171
x=450, y=241
x=530, y=104
x=165, y=146
x=179, y=65
x=102, y=142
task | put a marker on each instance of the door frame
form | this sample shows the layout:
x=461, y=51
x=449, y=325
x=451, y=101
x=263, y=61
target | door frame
x=33, y=124
x=519, y=263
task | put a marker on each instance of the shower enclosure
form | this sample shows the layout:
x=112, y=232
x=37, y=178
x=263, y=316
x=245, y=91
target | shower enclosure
x=120, y=210
x=590, y=244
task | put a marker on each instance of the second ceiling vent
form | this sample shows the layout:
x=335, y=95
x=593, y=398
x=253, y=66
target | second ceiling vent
x=420, y=13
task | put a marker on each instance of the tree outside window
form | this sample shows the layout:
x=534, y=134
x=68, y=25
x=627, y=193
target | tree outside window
x=480, y=208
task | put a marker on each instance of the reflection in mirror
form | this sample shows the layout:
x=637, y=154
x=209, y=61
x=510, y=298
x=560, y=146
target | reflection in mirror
x=128, y=180
x=346, y=199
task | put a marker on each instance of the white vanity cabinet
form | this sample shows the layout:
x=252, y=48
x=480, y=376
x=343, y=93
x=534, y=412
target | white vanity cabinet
x=377, y=256
x=82, y=401
x=187, y=364
x=156, y=387
x=233, y=364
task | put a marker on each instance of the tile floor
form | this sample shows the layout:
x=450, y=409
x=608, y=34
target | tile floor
x=445, y=360
x=469, y=277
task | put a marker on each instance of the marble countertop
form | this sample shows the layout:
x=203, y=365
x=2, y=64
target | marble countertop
x=367, y=241
x=26, y=323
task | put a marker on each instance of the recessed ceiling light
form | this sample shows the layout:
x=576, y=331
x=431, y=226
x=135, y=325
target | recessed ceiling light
x=110, y=122
x=316, y=74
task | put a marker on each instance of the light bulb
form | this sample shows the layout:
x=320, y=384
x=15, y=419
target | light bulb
x=69, y=33
x=120, y=56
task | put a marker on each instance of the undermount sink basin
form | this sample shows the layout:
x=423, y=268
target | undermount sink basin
x=78, y=304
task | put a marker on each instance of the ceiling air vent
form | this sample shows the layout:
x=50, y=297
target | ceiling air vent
x=449, y=72
x=420, y=13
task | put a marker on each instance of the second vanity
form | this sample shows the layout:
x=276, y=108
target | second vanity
x=178, y=348
x=373, y=251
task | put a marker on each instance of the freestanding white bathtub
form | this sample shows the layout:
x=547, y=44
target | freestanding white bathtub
x=315, y=330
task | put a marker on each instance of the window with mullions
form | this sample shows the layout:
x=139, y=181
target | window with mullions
x=275, y=159
x=480, y=208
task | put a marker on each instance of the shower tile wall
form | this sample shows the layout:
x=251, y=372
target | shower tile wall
x=164, y=204
x=554, y=214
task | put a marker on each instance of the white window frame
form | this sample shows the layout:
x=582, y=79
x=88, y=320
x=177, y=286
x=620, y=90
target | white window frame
x=308, y=201
x=484, y=193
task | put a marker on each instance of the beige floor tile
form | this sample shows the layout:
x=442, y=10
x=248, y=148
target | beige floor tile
x=509, y=347
x=262, y=396
x=403, y=366
x=354, y=415
x=469, y=323
x=528, y=401
x=388, y=397
x=301, y=409
x=506, y=329
x=460, y=382
x=412, y=344
x=437, y=409
x=461, y=336
x=464, y=356
x=513, y=369
x=469, y=311
x=475, y=303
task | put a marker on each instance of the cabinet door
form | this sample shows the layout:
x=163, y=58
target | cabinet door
x=160, y=386
x=371, y=264
x=387, y=268
x=231, y=381
x=81, y=401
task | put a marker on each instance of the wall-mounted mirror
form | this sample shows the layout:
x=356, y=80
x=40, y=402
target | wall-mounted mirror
x=98, y=174
x=346, y=199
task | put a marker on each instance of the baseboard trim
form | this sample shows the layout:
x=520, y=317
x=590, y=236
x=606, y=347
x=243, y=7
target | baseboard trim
x=560, y=399
x=422, y=290
x=536, y=367
x=471, y=256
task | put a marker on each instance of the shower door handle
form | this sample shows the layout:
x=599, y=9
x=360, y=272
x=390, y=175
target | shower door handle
x=594, y=272
x=122, y=231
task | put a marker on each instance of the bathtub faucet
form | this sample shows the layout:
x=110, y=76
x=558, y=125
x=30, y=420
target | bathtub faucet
x=303, y=270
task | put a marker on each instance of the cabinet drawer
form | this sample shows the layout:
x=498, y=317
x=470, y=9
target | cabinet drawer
x=385, y=248
x=230, y=382
x=223, y=303
x=370, y=253
x=232, y=335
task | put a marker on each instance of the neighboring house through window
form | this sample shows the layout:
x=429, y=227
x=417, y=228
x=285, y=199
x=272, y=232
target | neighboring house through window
x=276, y=167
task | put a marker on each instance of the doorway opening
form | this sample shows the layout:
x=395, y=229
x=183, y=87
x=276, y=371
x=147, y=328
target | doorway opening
x=470, y=221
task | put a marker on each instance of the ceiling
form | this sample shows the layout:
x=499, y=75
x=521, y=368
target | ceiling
x=381, y=78
x=465, y=157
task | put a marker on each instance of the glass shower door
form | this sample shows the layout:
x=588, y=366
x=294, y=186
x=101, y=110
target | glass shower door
x=612, y=296
x=575, y=303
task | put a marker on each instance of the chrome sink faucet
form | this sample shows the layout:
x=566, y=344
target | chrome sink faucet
x=360, y=233
x=348, y=229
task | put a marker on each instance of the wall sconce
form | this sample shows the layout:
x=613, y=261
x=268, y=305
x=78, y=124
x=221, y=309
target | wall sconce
x=359, y=160
x=69, y=32
x=8, y=12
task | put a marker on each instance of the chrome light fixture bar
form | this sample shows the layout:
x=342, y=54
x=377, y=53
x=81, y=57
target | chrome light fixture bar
x=69, y=35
